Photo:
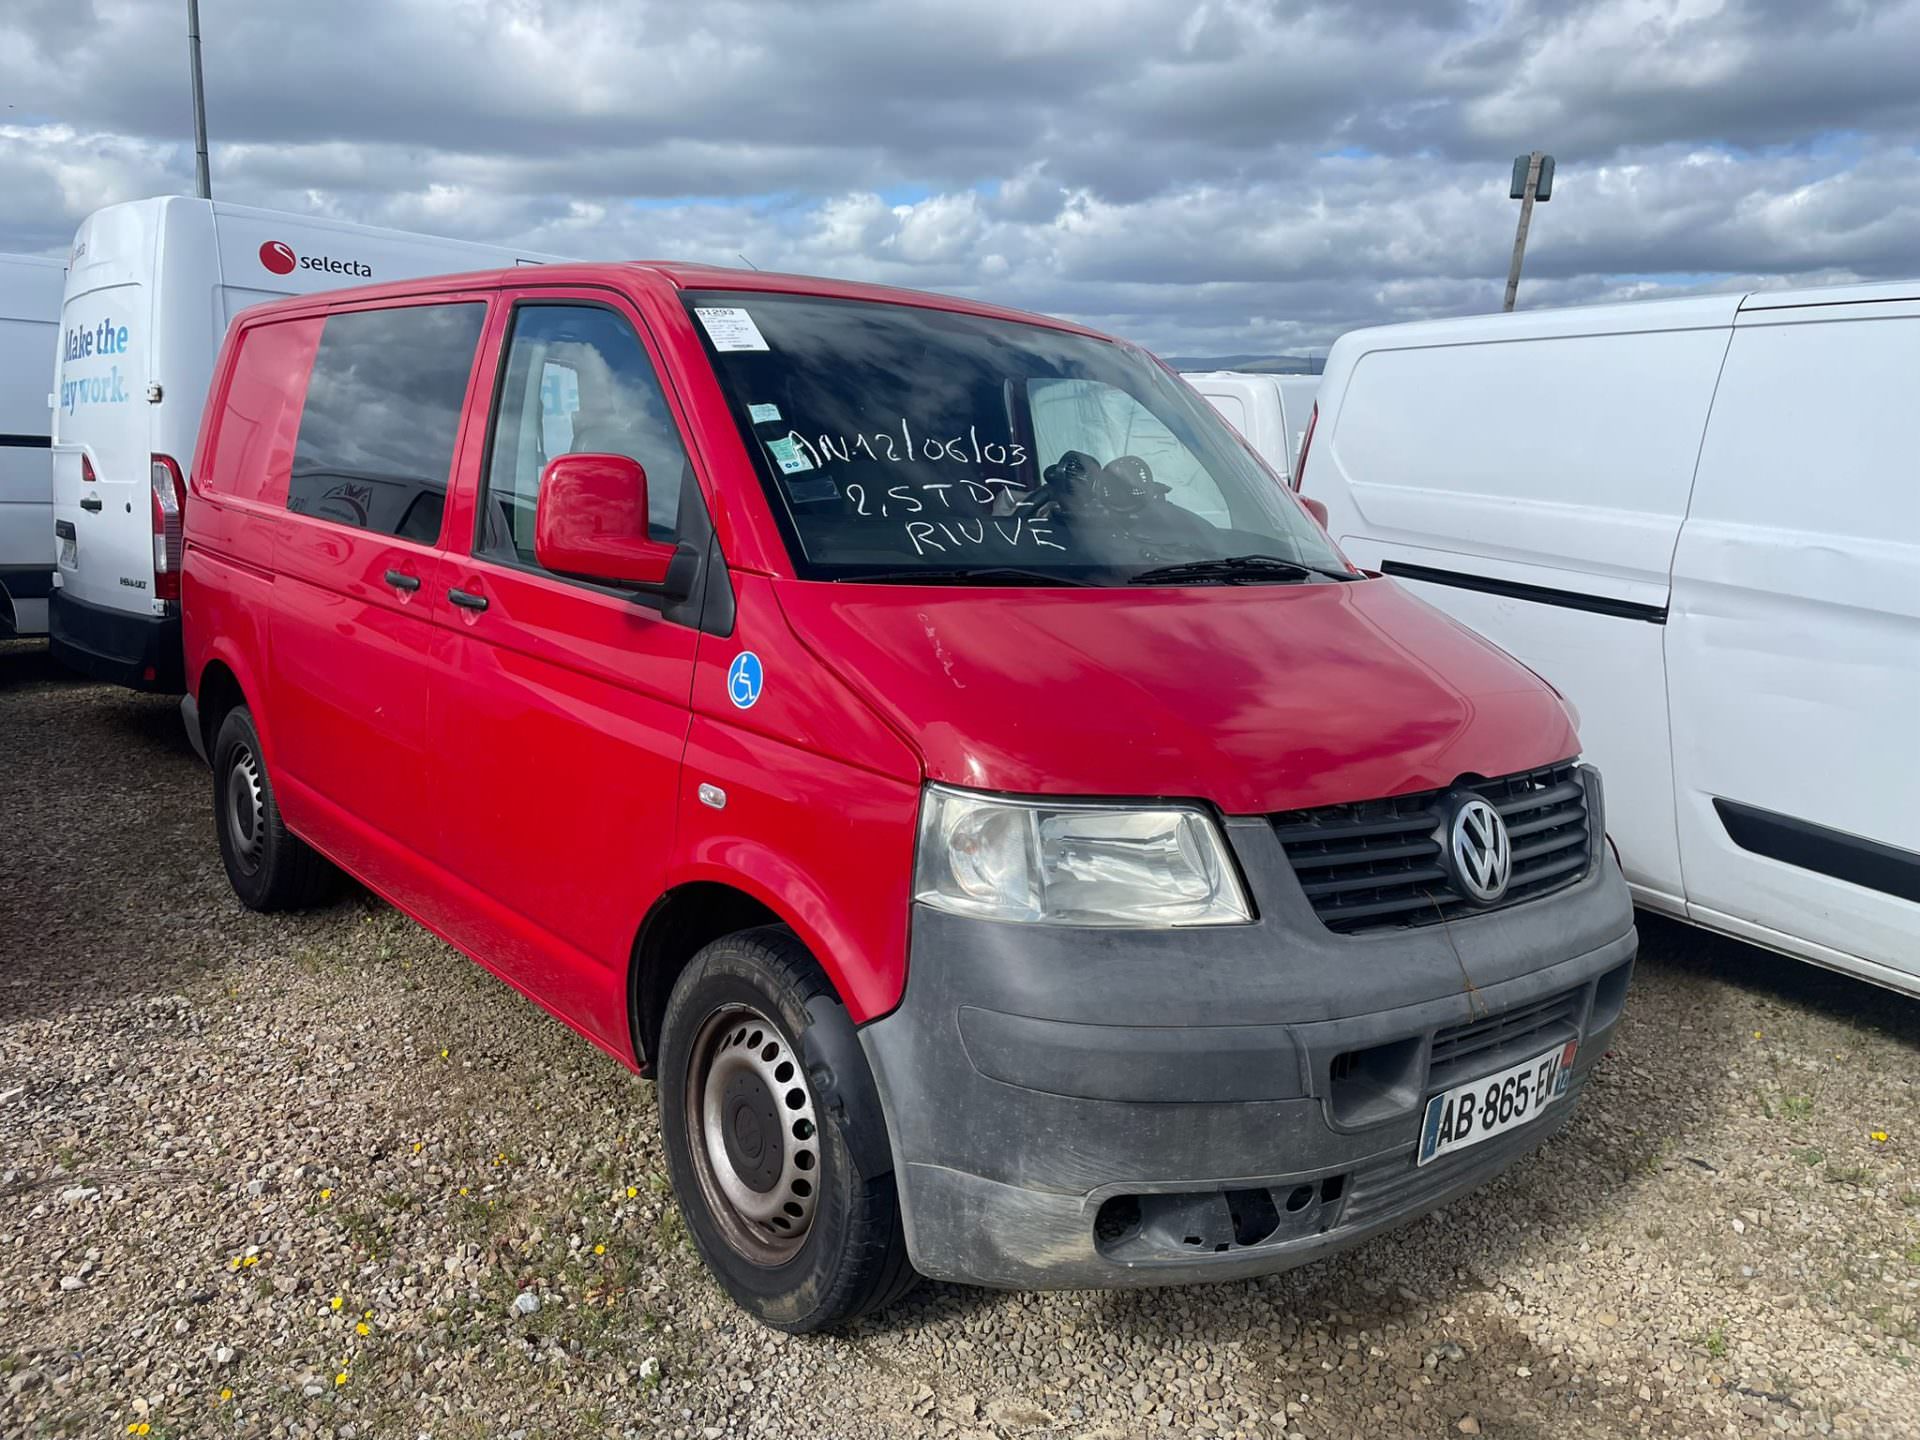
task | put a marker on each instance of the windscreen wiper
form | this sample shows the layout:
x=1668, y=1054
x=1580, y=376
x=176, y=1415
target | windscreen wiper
x=1237, y=570
x=987, y=575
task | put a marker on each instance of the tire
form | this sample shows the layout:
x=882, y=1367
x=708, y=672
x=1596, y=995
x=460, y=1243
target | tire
x=269, y=867
x=798, y=1237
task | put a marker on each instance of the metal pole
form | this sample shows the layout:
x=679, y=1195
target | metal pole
x=203, y=181
x=1520, y=235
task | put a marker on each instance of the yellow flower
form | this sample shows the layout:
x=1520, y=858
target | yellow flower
x=234, y=1264
x=1756, y=1034
x=326, y=1194
x=633, y=1192
x=416, y=1147
x=366, y=1315
x=226, y=1395
x=362, y=1328
x=1879, y=1137
x=501, y=1158
x=338, y=1301
x=251, y=1260
x=463, y=1189
x=443, y=1054
x=341, y=1378
x=599, y=1249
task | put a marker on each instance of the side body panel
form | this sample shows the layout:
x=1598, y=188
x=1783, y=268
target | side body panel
x=30, y=288
x=560, y=718
x=1794, y=644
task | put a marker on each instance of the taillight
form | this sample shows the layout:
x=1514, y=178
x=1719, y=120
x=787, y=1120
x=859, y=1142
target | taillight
x=1306, y=444
x=169, y=493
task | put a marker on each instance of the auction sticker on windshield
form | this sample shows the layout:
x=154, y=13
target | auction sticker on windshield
x=730, y=327
x=1483, y=1108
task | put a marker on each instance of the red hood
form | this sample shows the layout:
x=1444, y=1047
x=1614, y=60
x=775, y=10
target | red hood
x=1258, y=698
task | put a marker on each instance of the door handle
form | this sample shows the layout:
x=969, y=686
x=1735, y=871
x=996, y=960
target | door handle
x=467, y=600
x=90, y=502
x=400, y=580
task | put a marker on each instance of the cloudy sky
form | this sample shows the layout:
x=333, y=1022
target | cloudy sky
x=1205, y=176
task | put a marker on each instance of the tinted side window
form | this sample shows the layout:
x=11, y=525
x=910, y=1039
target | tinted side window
x=382, y=414
x=577, y=381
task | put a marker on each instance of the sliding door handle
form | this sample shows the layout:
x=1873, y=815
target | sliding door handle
x=400, y=580
x=467, y=600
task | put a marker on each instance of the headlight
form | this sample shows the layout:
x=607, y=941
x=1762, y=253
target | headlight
x=1074, y=864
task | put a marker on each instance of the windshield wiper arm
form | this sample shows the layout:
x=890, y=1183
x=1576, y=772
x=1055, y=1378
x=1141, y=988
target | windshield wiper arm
x=986, y=575
x=1238, y=569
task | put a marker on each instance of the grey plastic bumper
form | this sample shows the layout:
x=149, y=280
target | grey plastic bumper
x=1090, y=1108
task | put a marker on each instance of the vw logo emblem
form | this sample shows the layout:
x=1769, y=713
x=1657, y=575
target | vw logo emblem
x=1482, y=854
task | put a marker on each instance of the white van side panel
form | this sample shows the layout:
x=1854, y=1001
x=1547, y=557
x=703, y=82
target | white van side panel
x=1558, y=460
x=1256, y=407
x=29, y=333
x=1571, y=454
x=1794, y=640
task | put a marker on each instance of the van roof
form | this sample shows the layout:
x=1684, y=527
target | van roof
x=1690, y=312
x=682, y=276
x=1833, y=295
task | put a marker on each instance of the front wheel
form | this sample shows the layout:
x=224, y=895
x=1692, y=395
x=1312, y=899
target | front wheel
x=771, y=1193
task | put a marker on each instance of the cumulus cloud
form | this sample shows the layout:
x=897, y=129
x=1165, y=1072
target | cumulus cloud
x=1227, y=175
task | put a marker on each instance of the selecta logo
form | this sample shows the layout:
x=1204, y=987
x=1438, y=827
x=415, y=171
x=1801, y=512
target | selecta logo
x=278, y=257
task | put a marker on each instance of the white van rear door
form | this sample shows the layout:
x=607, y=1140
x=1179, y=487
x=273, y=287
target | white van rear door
x=101, y=461
x=1793, y=645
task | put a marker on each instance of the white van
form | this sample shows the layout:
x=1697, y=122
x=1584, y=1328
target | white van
x=1269, y=411
x=29, y=326
x=1700, y=519
x=151, y=287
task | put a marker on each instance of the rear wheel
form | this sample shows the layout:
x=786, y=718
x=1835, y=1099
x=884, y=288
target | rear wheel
x=269, y=867
x=771, y=1194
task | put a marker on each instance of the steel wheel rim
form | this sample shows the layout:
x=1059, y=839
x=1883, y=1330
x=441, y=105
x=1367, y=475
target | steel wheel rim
x=760, y=1180
x=246, y=808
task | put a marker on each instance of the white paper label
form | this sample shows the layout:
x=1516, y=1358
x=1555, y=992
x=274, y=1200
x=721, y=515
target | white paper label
x=762, y=414
x=787, y=456
x=730, y=328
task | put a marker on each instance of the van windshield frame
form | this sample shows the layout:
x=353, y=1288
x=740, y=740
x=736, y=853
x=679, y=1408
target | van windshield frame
x=892, y=439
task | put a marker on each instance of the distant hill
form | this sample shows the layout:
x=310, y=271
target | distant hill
x=1258, y=364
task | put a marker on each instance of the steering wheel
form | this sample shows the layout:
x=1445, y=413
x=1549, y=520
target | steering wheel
x=1125, y=485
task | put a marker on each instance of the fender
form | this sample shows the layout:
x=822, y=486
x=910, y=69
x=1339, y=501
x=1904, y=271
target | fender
x=226, y=652
x=802, y=905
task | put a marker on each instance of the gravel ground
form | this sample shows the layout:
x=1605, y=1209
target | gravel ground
x=320, y=1176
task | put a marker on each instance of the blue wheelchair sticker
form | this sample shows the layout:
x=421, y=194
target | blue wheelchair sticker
x=744, y=680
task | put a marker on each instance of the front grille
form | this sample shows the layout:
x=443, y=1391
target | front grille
x=1378, y=864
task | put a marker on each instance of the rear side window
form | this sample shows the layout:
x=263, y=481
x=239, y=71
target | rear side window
x=383, y=411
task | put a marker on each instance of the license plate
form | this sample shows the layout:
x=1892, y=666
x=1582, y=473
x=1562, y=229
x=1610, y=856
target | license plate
x=1483, y=1108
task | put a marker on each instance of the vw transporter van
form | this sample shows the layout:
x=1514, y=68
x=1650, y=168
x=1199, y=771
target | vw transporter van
x=1017, y=860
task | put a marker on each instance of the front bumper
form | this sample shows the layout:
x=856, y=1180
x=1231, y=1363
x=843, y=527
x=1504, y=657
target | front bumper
x=1076, y=1109
x=141, y=652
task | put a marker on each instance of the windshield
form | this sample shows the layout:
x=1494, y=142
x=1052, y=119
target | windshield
x=900, y=443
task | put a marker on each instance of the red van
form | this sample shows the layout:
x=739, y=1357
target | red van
x=919, y=735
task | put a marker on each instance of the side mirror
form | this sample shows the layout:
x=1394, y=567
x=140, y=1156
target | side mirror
x=1316, y=508
x=592, y=522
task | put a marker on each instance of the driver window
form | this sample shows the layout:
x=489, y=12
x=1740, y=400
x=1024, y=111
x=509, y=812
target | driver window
x=577, y=381
x=1106, y=423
